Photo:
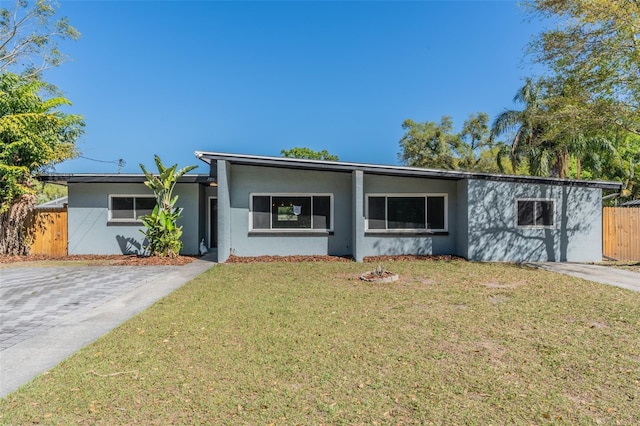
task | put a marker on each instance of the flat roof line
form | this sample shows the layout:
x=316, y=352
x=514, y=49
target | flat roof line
x=340, y=166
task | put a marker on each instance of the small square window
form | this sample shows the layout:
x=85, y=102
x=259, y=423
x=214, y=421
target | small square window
x=130, y=208
x=536, y=213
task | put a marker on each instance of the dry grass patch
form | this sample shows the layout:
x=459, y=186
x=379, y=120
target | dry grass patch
x=633, y=266
x=309, y=343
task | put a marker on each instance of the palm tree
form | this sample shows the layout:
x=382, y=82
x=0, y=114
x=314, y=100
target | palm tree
x=532, y=144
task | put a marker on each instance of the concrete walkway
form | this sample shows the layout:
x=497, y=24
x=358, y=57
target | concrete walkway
x=48, y=313
x=600, y=274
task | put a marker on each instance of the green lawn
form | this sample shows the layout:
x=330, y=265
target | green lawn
x=309, y=343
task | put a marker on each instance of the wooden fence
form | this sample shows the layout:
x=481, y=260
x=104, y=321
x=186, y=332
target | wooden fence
x=49, y=231
x=621, y=233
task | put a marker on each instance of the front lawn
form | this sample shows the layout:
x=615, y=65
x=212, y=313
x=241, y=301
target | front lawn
x=451, y=342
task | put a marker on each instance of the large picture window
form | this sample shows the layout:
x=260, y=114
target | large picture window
x=292, y=212
x=406, y=212
x=130, y=208
x=535, y=213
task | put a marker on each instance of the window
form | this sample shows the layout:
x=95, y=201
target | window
x=407, y=212
x=291, y=212
x=536, y=213
x=130, y=208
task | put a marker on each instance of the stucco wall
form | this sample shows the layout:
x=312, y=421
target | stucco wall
x=245, y=180
x=493, y=234
x=398, y=243
x=89, y=232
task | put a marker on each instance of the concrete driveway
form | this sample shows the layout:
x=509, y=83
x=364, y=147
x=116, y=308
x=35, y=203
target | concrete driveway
x=48, y=313
x=600, y=274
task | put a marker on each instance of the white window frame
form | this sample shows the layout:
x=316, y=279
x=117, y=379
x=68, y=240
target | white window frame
x=553, y=216
x=126, y=220
x=412, y=195
x=291, y=230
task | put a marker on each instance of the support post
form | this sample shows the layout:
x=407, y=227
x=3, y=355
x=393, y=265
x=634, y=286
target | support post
x=223, y=169
x=357, y=227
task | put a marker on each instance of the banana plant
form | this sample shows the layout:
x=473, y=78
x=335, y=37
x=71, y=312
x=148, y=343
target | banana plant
x=161, y=231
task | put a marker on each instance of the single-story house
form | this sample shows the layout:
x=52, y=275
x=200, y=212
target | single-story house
x=257, y=205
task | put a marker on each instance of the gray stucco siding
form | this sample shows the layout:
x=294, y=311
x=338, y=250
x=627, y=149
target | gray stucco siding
x=494, y=235
x=481, y=214
x=90, y=231
x=247, y=180
x=377, y=243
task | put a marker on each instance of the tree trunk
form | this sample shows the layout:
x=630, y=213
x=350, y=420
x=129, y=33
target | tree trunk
x=15, y=236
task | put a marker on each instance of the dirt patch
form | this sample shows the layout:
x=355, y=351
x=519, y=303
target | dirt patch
x=498, y=299
x=270, y=259
x=507, y=285
x=597, y=324
x=115, y=260
x=405, y=257
x=322, y=258
x=379, y=277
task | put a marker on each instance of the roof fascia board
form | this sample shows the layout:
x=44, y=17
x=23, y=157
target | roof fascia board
x=112, y=178
x=295, y=163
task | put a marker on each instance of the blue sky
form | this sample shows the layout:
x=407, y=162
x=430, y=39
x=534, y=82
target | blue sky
x=170, y=78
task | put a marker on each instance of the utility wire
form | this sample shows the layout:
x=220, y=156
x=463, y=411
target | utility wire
x=100, y=161
x=120, y=162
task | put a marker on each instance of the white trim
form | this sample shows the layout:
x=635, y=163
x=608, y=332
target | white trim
x=126, y=220
x=553, y=216
x=291, y=194
x=423, y=195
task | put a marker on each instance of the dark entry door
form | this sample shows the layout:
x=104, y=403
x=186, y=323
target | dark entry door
x=213, y=222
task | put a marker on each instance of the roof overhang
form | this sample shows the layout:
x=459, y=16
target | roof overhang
x=379, y=169
x=61, y=178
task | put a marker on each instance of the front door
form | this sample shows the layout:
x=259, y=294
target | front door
x=213, y=222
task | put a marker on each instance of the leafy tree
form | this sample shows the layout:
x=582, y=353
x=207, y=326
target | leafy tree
x=429, y=144
x=435, y=145
x=309, y=154
x=34, y=134
x=628, y=162
x=49, y=192
x=621, y=164
x=29, y=34
x=475, y=144
x=162, y=233
x=595, y=50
